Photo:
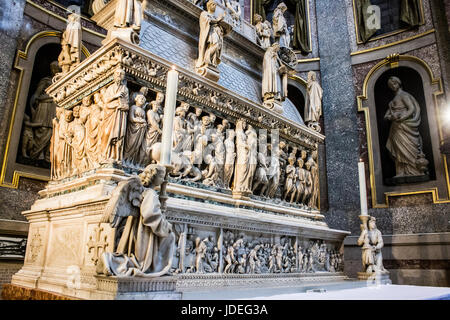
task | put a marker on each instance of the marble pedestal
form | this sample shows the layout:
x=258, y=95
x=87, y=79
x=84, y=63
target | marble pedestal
x=375, y=278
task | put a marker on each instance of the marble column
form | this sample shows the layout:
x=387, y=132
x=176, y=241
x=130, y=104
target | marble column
x=11, y=16
x=339, y=113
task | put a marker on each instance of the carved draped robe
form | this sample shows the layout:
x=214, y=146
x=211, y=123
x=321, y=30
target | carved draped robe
x=313, y=105
x=93, y=134
x=128, y=13
x=272, y=86
x=114, y=121
x=242, y=175
x=153, y=132
x=280, y=29
x=43, y=112
x=136, y=131
x=405, y=142
x=210, y=41
x=153, y=243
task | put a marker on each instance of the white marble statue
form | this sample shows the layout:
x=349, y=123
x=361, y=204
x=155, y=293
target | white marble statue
x=235, y=11
x=313, y=104
x=128, y=14
x=371, y=241
x=70, y=55
x=272, y=83
x=147, y=243
x=263, y=31
x=280, y=27
x=405, y=142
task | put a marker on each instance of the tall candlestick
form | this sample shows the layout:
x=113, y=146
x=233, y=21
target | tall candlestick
x=169, y=115
x=362, y=187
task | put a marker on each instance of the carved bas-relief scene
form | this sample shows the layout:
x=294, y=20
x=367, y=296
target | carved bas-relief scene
x=202, y=149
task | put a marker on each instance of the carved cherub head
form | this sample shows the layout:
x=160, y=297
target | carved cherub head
x=153, y=176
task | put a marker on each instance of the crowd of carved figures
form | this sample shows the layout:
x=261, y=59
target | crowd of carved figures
x=242, y=255
x=116, y=125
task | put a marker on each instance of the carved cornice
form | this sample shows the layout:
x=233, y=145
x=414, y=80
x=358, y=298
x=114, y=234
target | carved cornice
x=146, y=68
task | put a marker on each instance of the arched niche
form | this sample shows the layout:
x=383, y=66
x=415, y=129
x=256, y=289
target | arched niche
x=29, y=63
x=419, y=81
x=294, y=105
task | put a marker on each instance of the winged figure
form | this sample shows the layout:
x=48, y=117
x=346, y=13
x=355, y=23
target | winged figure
x=144, y=238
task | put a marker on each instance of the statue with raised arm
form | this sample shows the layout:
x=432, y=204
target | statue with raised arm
x=147, y=243
x=405, y=142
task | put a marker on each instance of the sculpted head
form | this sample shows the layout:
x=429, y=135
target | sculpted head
x=68, y=115
x=159, y=97
x=231, y=134
x=153, y=175
x=119, y=75
x=198, y=111
x=54, y=68
x=211, y=6
x=372, y=223
x=76, y=112
x=140, y=100
x=394, y=84
x=311, y=76
x=86, y=101
x=257, y=18
x=282, y=6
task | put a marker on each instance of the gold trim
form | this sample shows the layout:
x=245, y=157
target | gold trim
x=309, y=21
x=299, y=80
x=24, y=56
x=308, y=60
x=63, y=19
x=393, y=43
x=364, y=96
x=389, y=34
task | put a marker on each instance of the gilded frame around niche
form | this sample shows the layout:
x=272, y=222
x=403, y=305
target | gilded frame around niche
x=364, y=106
x=24, y=63
x=389, y=34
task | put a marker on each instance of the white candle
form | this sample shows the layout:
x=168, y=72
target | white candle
x=169, y=115
x=362, y=187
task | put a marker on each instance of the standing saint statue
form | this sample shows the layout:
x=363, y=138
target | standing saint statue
x=280, y=27
x=70, y=55
x=147, y=243
x=272, y=85
x=405, y=142
x=128, y=14
x=115, y=118
x=313, y=105
x=242, y=175
x=43, y=110
x=136, y=131
x=210, y=42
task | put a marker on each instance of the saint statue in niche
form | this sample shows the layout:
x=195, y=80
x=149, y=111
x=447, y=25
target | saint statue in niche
x=280, y=27
x=272, y=86
x=313, y=105
x=39, y=127
x=405, y=142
